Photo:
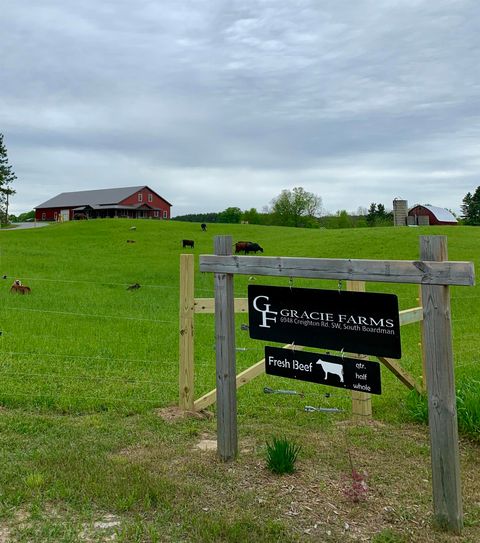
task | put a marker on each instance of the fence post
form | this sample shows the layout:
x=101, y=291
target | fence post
x=227, y=444
x=442, y=411
x=186, y=349
x=361, y=401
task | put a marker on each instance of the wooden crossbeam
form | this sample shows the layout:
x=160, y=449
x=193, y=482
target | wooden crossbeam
x=407, y=316
x=382, y=271
x=207, y=305
x=400, y=373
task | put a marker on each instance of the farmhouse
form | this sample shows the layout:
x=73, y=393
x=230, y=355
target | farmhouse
x=128, y=202
x=430, y=215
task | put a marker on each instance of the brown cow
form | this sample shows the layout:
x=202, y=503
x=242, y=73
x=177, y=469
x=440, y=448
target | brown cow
x=188, y=243
x=18, y=288
x=247, y=247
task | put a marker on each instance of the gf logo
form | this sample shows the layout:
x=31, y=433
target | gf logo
x=265, y=311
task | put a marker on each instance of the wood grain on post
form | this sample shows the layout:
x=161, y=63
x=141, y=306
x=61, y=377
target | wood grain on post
x=361, y=401
x=186, y=349
x=227, y=442
x=442, y=411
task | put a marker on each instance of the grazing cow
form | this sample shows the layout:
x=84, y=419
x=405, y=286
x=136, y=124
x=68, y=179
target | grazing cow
x=18, y=288
x=331, y=367
x=131, y=241
x=188, y=243
x=253, y=248
x=247, y=247
x=241, y=246
x=135, y=286
x=204, y=227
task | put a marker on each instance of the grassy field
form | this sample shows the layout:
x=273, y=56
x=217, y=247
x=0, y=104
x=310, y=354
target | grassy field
x=87, y=367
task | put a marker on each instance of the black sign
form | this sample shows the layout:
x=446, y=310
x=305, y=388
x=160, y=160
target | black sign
x=357, y=322
x=335, y=371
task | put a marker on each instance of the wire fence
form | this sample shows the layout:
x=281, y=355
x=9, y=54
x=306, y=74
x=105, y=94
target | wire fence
x=33, y=375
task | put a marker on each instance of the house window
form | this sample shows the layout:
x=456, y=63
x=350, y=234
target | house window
x=156, y=213
x=150, y=197
x=44, y=216
x=55, y=215
x=140, y=197
x=164, y=214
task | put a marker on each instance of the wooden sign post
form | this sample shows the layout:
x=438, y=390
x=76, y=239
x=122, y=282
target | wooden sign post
x=442, y=409
x=227, y=442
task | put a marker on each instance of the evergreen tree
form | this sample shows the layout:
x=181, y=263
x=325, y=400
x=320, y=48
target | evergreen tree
x=471, y=208
x=372, y=214
x=7, y=177
x=378, y=216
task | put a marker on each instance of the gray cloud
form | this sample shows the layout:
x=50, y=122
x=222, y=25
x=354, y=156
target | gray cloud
x=227, y=103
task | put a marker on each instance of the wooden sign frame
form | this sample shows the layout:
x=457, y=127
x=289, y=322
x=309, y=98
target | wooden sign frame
x=433, y=272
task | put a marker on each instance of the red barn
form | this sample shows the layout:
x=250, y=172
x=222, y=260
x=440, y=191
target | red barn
x=128, y=202
x=427, y=214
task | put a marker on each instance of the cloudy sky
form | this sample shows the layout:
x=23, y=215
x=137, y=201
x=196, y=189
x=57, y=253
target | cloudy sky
x=218, y=103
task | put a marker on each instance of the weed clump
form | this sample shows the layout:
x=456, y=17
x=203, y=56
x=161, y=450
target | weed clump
x=282, y=455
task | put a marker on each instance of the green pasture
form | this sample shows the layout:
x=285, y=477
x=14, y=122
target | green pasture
x=82, y=342
x=85, y=364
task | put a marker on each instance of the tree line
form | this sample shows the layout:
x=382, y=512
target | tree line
x=297, y=208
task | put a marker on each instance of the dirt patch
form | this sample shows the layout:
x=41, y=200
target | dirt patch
x=173, y=414
x=104, y=529
x=4, y=534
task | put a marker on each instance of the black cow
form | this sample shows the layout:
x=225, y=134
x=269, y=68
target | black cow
x=204, y=227
x=188, y=243
x=253, y=248
x=247, y=247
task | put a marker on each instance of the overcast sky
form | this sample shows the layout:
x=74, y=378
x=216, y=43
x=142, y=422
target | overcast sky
x=216, y=103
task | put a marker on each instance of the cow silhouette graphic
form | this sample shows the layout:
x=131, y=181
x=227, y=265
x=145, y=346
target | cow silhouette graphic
x=331, y=367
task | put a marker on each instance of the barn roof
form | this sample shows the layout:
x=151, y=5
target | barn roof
x=100, y=197
x=440, y=213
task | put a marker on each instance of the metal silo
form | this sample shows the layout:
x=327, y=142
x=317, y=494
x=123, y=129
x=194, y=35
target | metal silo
x=400, y=212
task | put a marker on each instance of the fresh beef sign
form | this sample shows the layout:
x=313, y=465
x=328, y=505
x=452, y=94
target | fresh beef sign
x=358, y=322
x=335, y=371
